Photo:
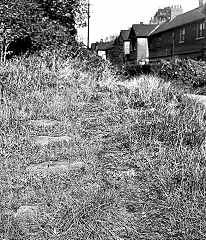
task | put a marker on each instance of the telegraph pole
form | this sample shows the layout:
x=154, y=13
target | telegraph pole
x=204, y=47
x=88, y=17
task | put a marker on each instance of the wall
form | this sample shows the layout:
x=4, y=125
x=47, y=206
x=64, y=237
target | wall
x=102, y=54
x=142, y=49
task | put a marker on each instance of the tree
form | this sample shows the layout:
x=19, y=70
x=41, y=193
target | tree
x=68, y=12
x=110, y=38
x=45, y=22
x=13, y=24
x=163, y=14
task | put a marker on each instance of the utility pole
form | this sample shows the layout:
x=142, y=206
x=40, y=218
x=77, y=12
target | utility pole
x=88, y=17
x=204, y=47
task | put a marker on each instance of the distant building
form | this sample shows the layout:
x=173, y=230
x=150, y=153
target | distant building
x=139, y=51
x=103, y=49
x=115, y=51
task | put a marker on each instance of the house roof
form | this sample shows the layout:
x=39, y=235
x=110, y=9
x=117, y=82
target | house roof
x=191, y=16
x=125, y=34
x=143, y=30
x=103, y=46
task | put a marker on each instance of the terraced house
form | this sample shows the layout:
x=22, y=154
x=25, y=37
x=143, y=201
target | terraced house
x=182, y=37
x=138, y=36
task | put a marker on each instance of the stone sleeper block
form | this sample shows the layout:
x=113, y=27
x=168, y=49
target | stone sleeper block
x=56, y=166
x=45, y=140
x=43, y=122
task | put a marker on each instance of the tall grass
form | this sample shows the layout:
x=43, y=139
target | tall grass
x=142, y=142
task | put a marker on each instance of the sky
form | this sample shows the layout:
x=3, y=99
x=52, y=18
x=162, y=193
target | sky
x=109, y=17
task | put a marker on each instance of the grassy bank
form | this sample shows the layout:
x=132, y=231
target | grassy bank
x=140, y=142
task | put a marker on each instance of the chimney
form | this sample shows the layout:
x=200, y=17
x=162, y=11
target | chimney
x=201, y=2
x=177, y=10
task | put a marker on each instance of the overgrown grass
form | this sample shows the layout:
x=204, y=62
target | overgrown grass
x=142, y=142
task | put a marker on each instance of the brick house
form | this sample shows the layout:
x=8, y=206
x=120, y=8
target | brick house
x=182, y=37
x=139, y=51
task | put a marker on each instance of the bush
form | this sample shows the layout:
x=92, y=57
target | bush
x=136, y=70
x=188, y=71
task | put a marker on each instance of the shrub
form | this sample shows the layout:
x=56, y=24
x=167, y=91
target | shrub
x=188, y=71
x=41, y=24
x=134, y=70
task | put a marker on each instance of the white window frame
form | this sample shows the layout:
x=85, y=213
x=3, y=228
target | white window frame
x=182, y=35
x=200, y=30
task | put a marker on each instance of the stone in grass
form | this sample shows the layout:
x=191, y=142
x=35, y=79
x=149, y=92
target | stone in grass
x=91, y=188
x=43, y=123
x=25, y=212
x=25, y=218
x=198, y=98
x=51, y=167
x=45, y=140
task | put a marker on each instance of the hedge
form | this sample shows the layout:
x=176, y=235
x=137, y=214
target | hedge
x=188, y=71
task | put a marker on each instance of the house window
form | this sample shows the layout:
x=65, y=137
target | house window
x=182, y=34
x=200, y=30
x=159, y=41
x=126, y=47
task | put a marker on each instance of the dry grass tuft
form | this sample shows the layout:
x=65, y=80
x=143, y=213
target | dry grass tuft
x=142, y=143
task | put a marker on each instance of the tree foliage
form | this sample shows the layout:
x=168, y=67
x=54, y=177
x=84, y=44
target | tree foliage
x=68, y=12
x=163, y=14
x=45, y=22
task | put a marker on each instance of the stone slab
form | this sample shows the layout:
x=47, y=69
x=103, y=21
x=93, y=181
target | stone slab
x=43, y=123
x=45, y=140
x=56, y=166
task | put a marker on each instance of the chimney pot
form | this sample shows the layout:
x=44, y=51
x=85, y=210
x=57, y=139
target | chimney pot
x=176, y=10
x=201, y=2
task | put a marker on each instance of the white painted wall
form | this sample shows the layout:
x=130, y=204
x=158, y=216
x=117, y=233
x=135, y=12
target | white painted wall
x=102, y=54
x=142, y=49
